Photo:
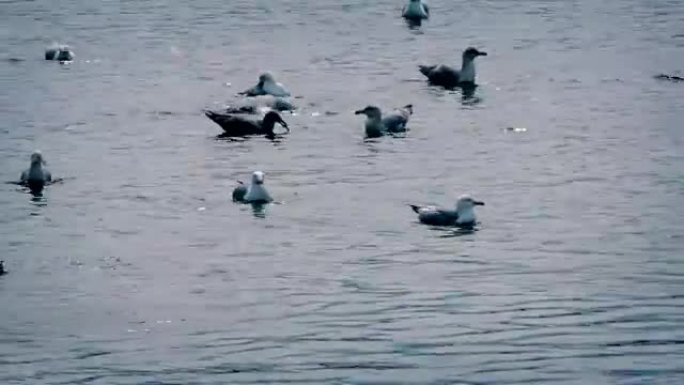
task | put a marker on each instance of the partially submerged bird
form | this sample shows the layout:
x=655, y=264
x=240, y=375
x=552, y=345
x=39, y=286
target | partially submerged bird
x=2, y=268
x=267, y=86
x=36, y=176
x=377, y=126
x=59, y=52
x=448, y=77
x=245, y=124
x=415, y=10
x=254, y=193
x=462, y=216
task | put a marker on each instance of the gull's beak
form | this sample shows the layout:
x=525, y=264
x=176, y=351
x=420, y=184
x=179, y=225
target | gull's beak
x=478, y=203
x=360, y=112
x=481, y=53
x=282, y=123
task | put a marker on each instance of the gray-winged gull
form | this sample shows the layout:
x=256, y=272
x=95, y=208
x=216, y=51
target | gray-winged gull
x=267, y=86
x=59, y=52
x=415, y=10
x=254, y=193
x=36, y=176
x=445, y=76
x=395, y=122
x=463, y=216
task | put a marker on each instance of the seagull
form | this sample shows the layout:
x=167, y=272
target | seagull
x=415, y=10
x=254, y=193
x=36, y=176
x=394, y=122
x=59, y=53
x=445, y=76
x=463, y=216
x=267, y=86
x=241, y=124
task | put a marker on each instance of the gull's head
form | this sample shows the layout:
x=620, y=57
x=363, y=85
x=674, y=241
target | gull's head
x=471, y=53
x=371, y=112
x=273, y=117
x=409, y=107
x=466, y=202
x=257, y=177
x=37, y=157
x=266, y=77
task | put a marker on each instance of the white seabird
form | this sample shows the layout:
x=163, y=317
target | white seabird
x=463, y=216
x=254, y=193
x=415, y=10
x=36, y=176
x=59, y=53
x=267, y=86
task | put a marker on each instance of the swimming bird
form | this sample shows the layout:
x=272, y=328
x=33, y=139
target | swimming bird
x=36, y=176
x=445, y=76
x=59, y=52
x=394, y=122
x=463, y=216
x=245, y=124
x=267, y=86
x=2, y=268
x=415, y=10
x=254, y=193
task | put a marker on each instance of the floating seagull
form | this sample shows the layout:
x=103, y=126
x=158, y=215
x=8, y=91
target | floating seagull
x=2, y=268
x=59, y=52
x=463, y=216
x=267, y=86
x=261, y=103
x=36, y=177
x=445, y=76
x=415, y=10
x=394, y=122
x=672, y=78
x=244, y=124
x=255, y=193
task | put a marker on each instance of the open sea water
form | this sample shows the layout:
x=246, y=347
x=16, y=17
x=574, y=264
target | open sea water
x=138, y=269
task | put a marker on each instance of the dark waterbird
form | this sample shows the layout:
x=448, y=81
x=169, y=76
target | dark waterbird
x=393, y=123
x=448, y=77
x=462, y=216
x=235, y=125
x=2, y=268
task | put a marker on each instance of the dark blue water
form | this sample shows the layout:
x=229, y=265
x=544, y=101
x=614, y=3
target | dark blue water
x=139, y=270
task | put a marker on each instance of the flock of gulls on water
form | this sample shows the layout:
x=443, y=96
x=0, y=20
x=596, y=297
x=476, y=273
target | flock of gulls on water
x=269, y=97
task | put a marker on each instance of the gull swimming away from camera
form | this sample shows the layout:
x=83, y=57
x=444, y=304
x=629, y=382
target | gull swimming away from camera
x=267, y=86
x=36, y=176
x=448, y=77
x=395, y=122
x=59, y=52
x=462, y=216
x=415, y=10
x=254, y=193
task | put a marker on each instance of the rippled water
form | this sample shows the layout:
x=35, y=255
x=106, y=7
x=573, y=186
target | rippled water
x=139, y=270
